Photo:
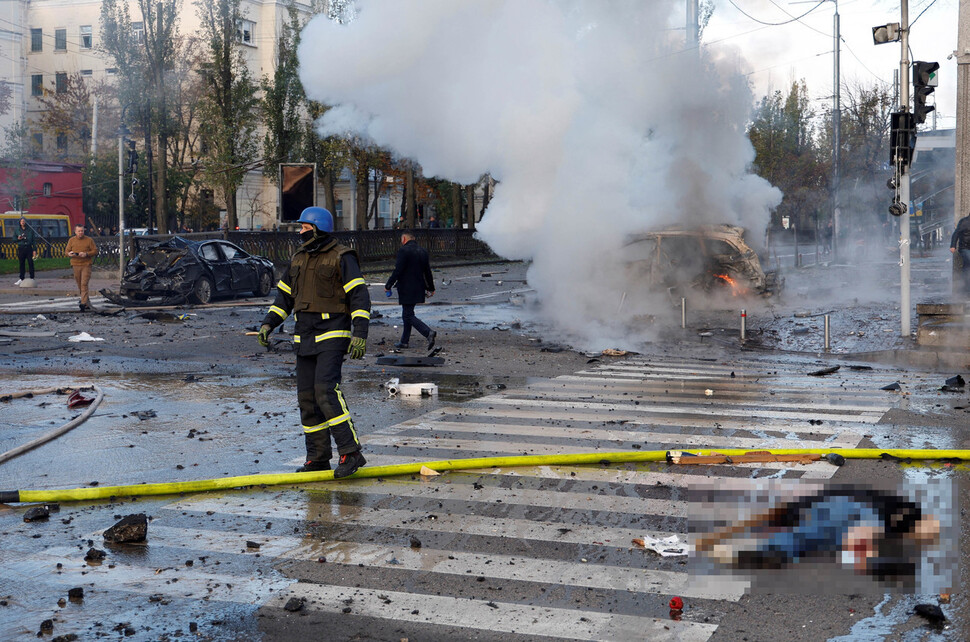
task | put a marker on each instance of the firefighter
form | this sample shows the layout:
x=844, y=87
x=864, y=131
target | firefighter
x=328, y=297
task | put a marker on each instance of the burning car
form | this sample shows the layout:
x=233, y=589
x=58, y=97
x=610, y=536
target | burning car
x=709, y=258
x=179, y=269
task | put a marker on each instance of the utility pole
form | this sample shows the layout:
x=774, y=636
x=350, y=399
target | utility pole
x=904, y=179
x=836, y=130
x=122, y=132
x=693, y=27
x=961, y=197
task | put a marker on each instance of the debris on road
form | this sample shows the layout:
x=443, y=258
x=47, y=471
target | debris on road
x=824, y=371
x=892, y=387
x=428, y=472
x=94, y=555
x=931, y=612
x=395, y=387
x=77, y=400
x=667, y=547
x=17, y=334
x=37, y=514
x=84, y=336
x=614, y=352
x=954, y=384
x=294, y=604
x=144, y=414
x=131, y=528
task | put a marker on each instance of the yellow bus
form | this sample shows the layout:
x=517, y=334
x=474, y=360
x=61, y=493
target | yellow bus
x=50, y=226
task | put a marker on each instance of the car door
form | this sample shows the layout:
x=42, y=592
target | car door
x=219, y=267
x=241, y=267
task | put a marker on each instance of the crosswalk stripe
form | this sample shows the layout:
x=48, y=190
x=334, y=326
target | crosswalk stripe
x=463, y=523
x=600, y=412
x=581, y=437
x=500, y=617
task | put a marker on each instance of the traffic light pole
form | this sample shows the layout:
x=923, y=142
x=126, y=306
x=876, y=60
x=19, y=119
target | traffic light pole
x=904, y=178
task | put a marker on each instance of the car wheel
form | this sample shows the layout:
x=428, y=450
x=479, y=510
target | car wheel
x=202, y=292
x=265, y=284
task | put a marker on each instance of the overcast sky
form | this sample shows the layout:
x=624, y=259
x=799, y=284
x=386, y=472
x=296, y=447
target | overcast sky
x=777, y=55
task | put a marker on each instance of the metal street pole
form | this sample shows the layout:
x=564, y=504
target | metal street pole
x=961, y=197
x=904, y=182
x=836, y=130
x=122, y=132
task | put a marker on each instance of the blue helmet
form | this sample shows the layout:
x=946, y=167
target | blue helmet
x=319, y=217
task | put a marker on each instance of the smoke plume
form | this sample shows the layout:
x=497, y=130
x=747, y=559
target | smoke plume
x=591, y=115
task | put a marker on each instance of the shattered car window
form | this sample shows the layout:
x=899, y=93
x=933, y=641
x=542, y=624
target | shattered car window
x=210, y=252
x=232, y=252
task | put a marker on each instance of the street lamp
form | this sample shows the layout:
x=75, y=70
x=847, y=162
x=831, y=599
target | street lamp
x=122, y=132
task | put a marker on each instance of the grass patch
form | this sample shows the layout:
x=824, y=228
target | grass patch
x=12, y=266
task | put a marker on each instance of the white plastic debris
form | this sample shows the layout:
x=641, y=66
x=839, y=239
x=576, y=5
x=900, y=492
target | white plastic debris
x=666, y=547
x=84, y=336
x=708, y=392
x=395, y=387
x=40, y=317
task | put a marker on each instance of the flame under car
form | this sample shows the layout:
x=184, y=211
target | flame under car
x=713, y=258
x=180, y=269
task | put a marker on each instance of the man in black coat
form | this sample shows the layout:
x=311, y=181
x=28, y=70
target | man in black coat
x=960, y=245
x=412, y=275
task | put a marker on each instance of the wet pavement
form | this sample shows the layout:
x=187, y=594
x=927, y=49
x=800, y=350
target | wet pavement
x=504, y=554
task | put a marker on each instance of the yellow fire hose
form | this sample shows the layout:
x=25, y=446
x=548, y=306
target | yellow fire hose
x=224, y=483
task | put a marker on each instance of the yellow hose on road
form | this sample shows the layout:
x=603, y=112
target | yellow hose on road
x=225, y=483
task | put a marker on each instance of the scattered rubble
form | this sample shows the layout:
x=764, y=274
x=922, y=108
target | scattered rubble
x=37, y=514
x=131, y=528
x=294, y=604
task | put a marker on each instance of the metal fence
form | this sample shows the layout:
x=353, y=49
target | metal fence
x=373, y=246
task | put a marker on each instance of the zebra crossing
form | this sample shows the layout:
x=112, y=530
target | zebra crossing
x=536, y=551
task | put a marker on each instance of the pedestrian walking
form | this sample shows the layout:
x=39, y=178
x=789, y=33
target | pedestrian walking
x=960, y=244
x=324, y=289
x=82, y=250
x=412, y=275
x=25, y=249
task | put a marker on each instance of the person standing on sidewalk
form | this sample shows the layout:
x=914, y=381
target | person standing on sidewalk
x=326, y=292
x=25, y=249
x=82, y=250
x=412, y=275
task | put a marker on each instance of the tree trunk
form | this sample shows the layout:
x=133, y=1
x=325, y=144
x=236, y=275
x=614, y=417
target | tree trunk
x=457, y=214
x=329, y=195
x=363, y=187
x=231, y=218
x=410, y=202
x=470, y=204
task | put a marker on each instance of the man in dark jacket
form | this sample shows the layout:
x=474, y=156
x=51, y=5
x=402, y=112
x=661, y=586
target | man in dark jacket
x=960, y=244
x=326, y=292
x=412, y=275
x=25, y=249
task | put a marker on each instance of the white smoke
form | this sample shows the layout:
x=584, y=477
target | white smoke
x=591, y=115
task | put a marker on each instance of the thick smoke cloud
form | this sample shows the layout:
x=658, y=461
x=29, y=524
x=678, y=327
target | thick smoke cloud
x=590, y=114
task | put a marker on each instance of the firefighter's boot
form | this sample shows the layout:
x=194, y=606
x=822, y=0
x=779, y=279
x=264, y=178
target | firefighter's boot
x=318, y=452
x=349, y=464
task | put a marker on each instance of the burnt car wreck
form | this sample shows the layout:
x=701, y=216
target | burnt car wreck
x=713, y=258
x=198, y=271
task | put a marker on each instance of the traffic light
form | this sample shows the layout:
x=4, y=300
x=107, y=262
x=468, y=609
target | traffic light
x=902, y=139
x=925, y=79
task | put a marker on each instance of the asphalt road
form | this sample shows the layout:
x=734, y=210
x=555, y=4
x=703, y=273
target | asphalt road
x=505, y=554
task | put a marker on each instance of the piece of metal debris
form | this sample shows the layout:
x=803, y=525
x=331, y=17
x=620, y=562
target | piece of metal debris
x=824, y=371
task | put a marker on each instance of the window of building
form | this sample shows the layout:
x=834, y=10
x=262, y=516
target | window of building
x=60, y=83
x=62, y=142
x=246, y=32
x=338, y=209
x=138, y=30
x=87, y=72
x=384, y=209
x=48, y=189
x=36, y=39
x=87, y=37
x=38, y=140
x=37, y=85
x=111, y=71
x=60, y=40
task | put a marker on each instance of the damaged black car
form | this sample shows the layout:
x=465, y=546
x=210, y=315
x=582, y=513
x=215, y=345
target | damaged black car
x=199, y=271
